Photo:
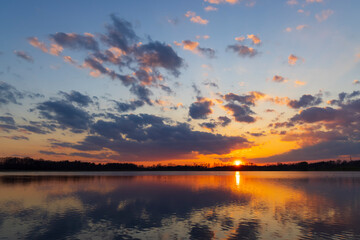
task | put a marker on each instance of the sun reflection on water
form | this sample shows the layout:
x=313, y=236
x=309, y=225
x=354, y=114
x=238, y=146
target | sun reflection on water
x=237, y=178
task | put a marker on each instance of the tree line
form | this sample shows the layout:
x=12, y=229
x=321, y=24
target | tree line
x=30, y=164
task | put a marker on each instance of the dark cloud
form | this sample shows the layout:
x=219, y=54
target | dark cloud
x=208, y=52
x=278, y=78
x=305, y=100
x=51, y=153
x=201, y=108
x=281, y=124
x=241, y=113
x=24, y=55
x=209, y=125
x=256, y=134
x=15, y=137
x=224, y=121
x=75, y=41
x=120, y=34
x=65, y=114
x=247, y=99
x=9, y=94
x=323, y=150
x=141, y=62
x=7, y=127
x=142, y=92
x=148, y=137
x=315, y=114
x=97, y=66
x=77, y=97
x=166, y=89
x=242, y=50
x=196, y=90
x=131, y=106
x=156, y=54
x=34, y=129
x=7, y=120
x=211, y=84
x=344, y=96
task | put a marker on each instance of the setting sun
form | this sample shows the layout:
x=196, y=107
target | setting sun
x=237, y=162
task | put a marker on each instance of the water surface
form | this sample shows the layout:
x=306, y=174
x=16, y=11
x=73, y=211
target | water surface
x=180, y=205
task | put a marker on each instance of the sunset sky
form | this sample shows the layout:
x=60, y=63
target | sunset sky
x=180, y=82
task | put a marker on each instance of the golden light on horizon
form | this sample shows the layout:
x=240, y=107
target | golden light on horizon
x=238, y=162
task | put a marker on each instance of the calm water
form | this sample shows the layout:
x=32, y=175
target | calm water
x=180, y=205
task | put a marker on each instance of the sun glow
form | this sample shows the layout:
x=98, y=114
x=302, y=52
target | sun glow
x=237, y=162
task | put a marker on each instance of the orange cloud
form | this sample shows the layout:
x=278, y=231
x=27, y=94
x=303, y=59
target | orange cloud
x=301, y=27
x=255, y=39
x=279, y=100
x=292, y=59
x=177, y=43
x=278, y=78
x=299, y=83
x=36, y=43
x=56, y=49
x=203, y=37
x=190, y=45
x=240, y=39
x=196, y=19
x=69, y=59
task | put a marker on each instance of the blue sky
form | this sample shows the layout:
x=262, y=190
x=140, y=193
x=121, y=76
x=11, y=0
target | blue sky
x=260, y=78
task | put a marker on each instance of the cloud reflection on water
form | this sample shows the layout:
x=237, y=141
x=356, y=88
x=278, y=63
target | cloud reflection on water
x=229, y=205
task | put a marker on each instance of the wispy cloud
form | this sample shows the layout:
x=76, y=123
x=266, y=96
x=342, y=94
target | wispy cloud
x=24, y=55
x=298, y=28
x=242, y=50
x=221, y=1
x=196, y=19
x=210, y=8
x=202, y=37
x=325, y=14
x=314, y=1
x=240, y=38
x=299, y=83
x=292, y=2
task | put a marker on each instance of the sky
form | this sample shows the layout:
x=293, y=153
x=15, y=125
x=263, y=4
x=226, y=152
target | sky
x=180, y=82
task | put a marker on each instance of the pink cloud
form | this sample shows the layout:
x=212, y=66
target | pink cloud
x=325, y=14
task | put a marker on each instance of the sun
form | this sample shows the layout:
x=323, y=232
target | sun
x=237, y=162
